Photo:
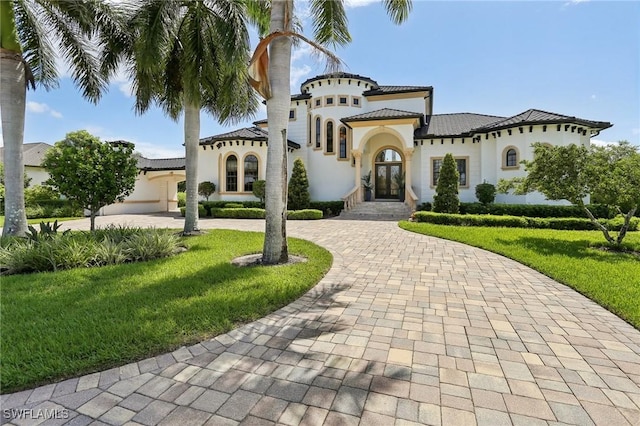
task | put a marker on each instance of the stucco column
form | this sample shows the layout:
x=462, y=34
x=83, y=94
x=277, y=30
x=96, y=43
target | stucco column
x=358, y=156
x=408, y=155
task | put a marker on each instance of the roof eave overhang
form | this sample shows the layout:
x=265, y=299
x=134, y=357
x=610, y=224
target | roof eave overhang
x=597, y=125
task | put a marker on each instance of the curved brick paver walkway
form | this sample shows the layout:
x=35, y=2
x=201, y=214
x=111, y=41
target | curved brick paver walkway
x=404, y=329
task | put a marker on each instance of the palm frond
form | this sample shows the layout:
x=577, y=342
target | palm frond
x=398, y=10
x=76, y=49
x=259, y=15
x=37, y=50
x=330, y=24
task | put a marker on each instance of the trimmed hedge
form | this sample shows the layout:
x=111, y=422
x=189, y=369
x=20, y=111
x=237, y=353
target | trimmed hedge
x=59, y=208
x=564, y=223
x=254, y=213
x=537, y=210
x=233, y=206
x=202, y=212
x=238, y=213
x=328, y=208
x=305, y=214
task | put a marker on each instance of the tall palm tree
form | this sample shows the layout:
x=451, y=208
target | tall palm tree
x=28, y=29
x=186, y=56
x=272, y=80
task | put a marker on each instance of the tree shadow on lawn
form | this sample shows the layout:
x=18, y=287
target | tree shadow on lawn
x=103, y=320
x=578, y=249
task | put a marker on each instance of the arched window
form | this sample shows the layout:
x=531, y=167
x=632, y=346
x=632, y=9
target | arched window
x=329, y=135
x=342, y=138
x=511, y=158
x=232, y=173
x=318, y=131
x=250, y=172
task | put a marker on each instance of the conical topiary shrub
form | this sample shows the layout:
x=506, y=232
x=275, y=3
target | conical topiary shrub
x=298, y=196
x=446, y=199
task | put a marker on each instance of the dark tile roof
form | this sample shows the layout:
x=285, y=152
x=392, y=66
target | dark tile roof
x=339, y=75
x=536, y=116
x=382, y=114
x=386, y=90
x=300, y=96
x=156, y=164
x=264, y=121
x=33, y=153
x=457, y=124
x=247, y=134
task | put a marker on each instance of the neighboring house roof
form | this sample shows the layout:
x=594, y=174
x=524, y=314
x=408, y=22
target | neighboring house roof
x=157, y=164
x=536, y=116
x=383, y=114
x=264, y=121
x=346, y=75
x=247, y=134
x=300, y=96
x=458, y=124
x=33, y=153
x=387, y=90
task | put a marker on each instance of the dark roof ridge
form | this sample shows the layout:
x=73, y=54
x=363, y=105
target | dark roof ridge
x=339, y=75
x=470, y=113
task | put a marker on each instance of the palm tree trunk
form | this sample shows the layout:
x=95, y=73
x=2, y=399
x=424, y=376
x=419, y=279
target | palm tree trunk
x=275, y=240
x=191, y=145
x=12, y=108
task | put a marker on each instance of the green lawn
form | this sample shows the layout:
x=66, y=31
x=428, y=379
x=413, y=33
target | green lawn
x=69, y=323
x=49, y=219
x=610, y=279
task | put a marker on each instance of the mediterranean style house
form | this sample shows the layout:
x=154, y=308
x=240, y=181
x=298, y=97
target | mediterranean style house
x=345, y=126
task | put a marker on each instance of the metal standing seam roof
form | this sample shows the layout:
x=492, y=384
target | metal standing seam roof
x=536, y=116
x=33, y=153
x=383, y=114
x=247, y=133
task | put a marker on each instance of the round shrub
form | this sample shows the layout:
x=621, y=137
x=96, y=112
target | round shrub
x=486, y=193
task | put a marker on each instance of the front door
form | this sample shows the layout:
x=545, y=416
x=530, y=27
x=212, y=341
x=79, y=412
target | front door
x=388, y=168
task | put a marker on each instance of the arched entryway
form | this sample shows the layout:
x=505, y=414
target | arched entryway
x=388, y=172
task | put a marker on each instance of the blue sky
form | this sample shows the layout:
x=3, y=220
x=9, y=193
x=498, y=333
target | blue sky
x=579, y=58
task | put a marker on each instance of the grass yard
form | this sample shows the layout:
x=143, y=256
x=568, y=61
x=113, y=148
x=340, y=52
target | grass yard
x=69, y=323
x=37, y=221
x=610, y=279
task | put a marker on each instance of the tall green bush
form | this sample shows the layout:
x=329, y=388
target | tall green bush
x=299, y=197
x=258, y=189
x=446, y=199
x=486, y=193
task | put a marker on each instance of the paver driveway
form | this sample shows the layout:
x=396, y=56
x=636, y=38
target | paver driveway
x=404, y=329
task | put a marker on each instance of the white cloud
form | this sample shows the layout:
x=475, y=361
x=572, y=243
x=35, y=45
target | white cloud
x=574, y=2
x=297, y=74
x=359, y=3
x=599, y=142
x=151, y=150
x=40, y=108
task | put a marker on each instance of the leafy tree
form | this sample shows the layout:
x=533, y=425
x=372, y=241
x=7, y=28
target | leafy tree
x=187, y=56
x=28, y=31
x=446, y=199
x=610, y=174
x=39, y=193
x=182, y=186
x=102, y=173
x=206, y=189
x=258, y=190
x=486, y=193
x=298, y=197
x=270, y=71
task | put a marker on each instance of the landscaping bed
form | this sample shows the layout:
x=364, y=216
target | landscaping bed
x=74, y=322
